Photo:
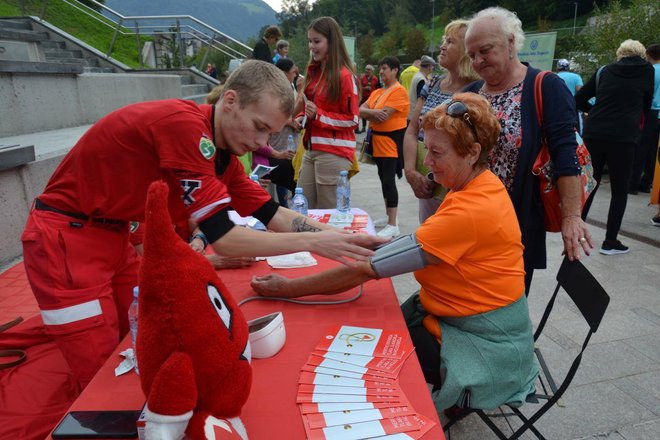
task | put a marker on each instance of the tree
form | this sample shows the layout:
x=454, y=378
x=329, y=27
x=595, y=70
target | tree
x=295, y=14
x=365, y=48
x=608, y=28
x=415, y=43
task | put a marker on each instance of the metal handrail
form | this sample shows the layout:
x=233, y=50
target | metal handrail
x=208, y=36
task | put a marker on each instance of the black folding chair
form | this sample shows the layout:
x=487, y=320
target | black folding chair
x=592, y=301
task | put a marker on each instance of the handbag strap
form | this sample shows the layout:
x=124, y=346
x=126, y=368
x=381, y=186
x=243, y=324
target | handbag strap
x=538, y=96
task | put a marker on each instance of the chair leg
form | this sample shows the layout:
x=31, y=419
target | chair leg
x=546, y=371
x=493, y=427
x=526, y=423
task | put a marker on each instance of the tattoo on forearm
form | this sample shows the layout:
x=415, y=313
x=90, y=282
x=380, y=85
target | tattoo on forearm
x=299, y=224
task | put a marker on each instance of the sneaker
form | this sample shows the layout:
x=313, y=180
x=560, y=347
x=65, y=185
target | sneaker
x=389, y=231
x=380, y=222
x=655, y=221
x=613, y=247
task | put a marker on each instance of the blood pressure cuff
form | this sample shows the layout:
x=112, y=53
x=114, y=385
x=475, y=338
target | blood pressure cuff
x=399, y=256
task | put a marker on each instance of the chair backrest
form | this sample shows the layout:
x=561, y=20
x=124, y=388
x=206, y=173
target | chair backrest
x=585, y=291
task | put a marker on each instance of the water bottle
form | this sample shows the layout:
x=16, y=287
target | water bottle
x=255, y=223
x=343, y=192
x=133, y=323
x=299, y=202
x=291, y=144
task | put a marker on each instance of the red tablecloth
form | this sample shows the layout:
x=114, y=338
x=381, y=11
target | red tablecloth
x=271, y=412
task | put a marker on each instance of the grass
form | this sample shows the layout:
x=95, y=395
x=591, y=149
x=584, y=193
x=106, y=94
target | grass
x=91, y=30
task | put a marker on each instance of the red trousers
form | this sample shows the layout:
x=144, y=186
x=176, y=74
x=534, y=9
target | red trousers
x=82, y=274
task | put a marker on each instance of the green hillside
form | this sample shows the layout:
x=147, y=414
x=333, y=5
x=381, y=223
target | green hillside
x=97, y=31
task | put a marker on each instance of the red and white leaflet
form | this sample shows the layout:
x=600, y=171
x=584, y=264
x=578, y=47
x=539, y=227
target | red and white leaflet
x=338, y=365
x=366, y=341
x=343, y=373
x=323, y=420
x=307, y=408
x=345, y=398
x=390, y=365
x=425, y=424
x=331, y=389
x=356, y=431
x=332, y=379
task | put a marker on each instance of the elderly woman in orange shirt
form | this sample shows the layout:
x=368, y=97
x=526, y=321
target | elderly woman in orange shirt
x=387, y=112
x=468, y=260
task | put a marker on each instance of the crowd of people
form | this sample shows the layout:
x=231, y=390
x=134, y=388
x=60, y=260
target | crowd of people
x=465, y=139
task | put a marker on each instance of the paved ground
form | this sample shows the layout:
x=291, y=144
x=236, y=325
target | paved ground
x=616, y=393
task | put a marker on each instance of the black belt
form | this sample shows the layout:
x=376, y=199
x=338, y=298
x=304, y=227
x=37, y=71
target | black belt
x=41, y=206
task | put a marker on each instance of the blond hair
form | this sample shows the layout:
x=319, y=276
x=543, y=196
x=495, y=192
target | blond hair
x=465, y=70
x=215, y=94
x=630, y=48
x=253, y=78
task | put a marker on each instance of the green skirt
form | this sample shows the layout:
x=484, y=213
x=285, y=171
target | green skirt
x=490, y=354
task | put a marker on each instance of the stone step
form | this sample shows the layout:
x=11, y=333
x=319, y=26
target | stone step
x=53, y=44
x=53, y=54
x=22, y=35
x=39, y=67
x=16, y=24
x=185, y=80
x=98, y=70
x=194, y=89
x=14, y=155
x=84, y=62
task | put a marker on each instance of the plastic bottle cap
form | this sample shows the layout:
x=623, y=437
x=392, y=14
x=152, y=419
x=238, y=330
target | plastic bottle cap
x=343, y=173
x=299, y=190
x=135, y=291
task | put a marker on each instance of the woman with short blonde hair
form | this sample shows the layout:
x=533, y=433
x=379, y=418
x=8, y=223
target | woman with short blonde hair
x=459, y=73
x=612, y=132
x=630, y=48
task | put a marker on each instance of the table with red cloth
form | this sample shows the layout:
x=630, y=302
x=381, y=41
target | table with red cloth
x=271, y=411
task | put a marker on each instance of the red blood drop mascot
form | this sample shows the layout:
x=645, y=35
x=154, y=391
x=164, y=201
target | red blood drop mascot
x=192, y=343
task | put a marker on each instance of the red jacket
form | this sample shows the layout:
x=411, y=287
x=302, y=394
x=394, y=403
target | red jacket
x=332, y=130
x=371, y=82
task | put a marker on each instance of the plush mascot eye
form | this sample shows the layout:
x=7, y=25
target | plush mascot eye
x=220, y=307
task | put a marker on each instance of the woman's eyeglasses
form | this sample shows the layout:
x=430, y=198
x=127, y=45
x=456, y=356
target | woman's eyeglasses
x=457, y=109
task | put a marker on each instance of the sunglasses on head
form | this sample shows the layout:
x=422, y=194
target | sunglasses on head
x=457, y=109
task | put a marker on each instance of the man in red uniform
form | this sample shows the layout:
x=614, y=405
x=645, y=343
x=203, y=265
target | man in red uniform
x=76, y=246
x=369, y=83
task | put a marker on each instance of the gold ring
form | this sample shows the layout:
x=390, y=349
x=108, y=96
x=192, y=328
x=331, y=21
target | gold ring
x=583, y=239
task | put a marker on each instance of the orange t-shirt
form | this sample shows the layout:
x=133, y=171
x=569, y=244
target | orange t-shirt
x=394, y=97
x=475, y=233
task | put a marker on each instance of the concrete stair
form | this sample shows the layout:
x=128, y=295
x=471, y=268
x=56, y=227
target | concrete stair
x=54, y=87
x=25, y=40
